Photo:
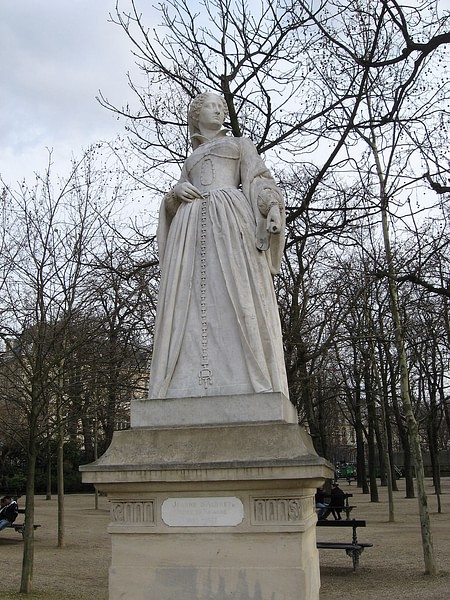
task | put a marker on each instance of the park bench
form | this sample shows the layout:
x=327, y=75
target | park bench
x=20, y=527
x=354, y=549
x=347, y=508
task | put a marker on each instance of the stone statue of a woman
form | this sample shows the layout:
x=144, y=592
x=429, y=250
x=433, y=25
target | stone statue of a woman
x=220, y=238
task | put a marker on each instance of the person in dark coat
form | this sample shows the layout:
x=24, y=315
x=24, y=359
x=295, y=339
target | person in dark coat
x=337, y=502
x=8, y=513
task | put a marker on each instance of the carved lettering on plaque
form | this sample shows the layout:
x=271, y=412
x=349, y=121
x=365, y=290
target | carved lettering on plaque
x=202, y=511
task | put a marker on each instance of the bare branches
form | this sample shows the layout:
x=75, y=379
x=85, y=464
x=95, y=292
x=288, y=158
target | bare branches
x=436, y=186
x=294, y=74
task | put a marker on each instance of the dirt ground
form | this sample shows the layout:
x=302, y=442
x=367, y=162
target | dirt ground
x=392, y=569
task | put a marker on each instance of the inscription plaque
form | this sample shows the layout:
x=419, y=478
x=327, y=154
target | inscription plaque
x=210, y=511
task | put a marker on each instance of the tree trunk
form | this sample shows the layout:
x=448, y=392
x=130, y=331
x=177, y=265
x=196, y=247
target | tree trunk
x=413, y=428
x=390, y=452
x=385, y=445
x=409, y=471
x=26, y=582
x=390, y=475
x=48, y=493
x=307, y=403
x=381, y=441
x=435, y=463
x=60, y=478
x=361, y=471
x=321, y=412
x=371, y=447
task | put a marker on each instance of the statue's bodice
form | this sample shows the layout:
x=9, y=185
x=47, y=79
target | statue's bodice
x=215, y=165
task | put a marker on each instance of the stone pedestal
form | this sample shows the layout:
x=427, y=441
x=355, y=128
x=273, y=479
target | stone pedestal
x=272, y=407
x=212, y=513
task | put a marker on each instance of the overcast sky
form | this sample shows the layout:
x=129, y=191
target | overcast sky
x=54, y=57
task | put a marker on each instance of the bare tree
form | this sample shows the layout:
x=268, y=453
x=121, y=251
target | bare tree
x=53, y=231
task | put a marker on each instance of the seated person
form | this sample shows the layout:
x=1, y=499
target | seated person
x=8, y=512
x=337, y=502
x=321, y=505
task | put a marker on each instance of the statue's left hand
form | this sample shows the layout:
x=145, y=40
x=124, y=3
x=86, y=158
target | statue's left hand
x=274, y=220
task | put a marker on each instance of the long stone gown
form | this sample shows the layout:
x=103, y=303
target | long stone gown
x=217, y=327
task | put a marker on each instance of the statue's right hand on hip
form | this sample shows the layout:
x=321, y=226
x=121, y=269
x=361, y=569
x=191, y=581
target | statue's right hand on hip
x=186, y=192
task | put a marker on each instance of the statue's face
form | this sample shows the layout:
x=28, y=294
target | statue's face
x=211, y=115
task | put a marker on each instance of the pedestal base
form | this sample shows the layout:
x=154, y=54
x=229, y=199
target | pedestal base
x=212, y=513
x=271, y=407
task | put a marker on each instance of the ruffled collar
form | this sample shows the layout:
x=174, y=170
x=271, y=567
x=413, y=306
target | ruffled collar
x=197, y=139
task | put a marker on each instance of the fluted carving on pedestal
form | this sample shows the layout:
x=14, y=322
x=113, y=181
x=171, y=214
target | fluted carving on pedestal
x=279, y=510
x=133, y=512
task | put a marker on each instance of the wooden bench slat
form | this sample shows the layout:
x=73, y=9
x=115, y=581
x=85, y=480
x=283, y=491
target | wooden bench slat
x=20, y=527
x=343, y=545
x=341, y=523
x=337, y=545
x=354, y=549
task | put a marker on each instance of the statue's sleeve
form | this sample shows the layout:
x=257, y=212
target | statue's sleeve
x=167, y=211
x=260, y=188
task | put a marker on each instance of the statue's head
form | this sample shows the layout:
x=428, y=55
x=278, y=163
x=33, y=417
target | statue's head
x=195, y=108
